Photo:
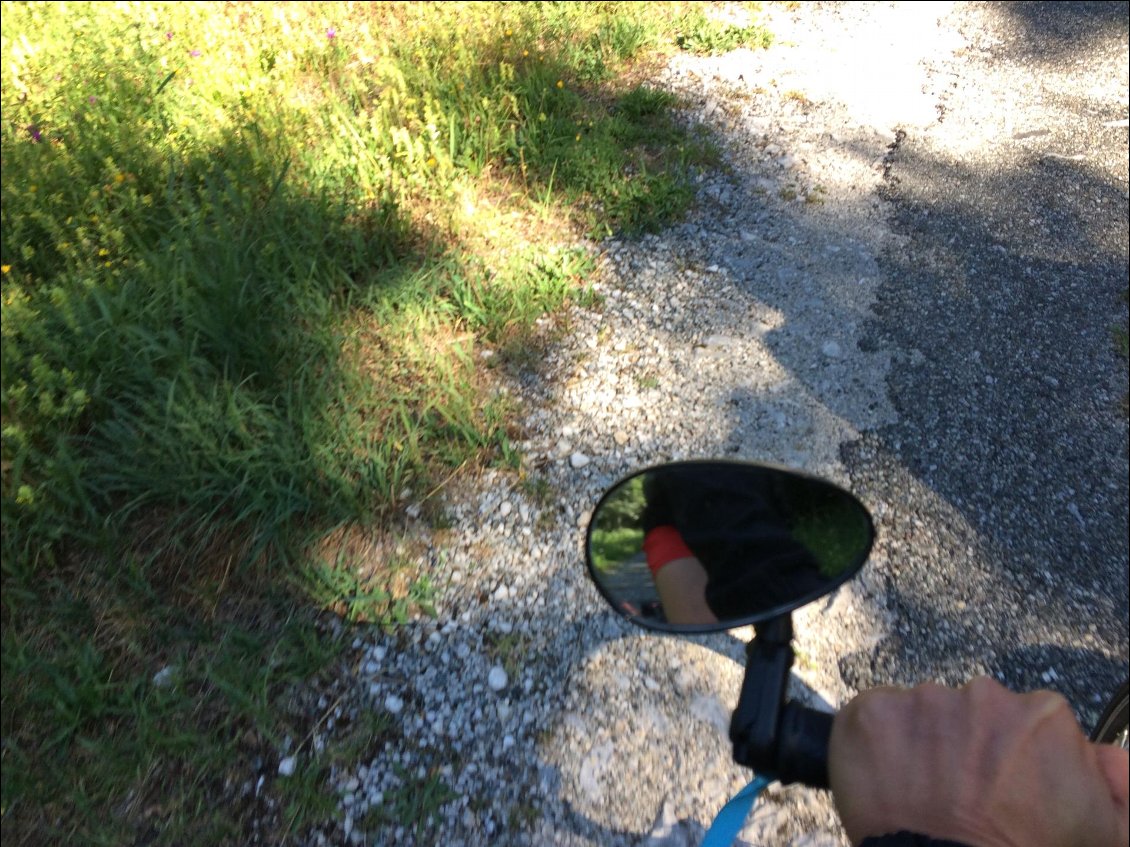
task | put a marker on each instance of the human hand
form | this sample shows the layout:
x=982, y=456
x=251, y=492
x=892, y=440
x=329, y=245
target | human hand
x=979, y=765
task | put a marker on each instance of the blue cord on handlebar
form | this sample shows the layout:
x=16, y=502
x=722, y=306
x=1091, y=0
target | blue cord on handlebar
x=728, y=822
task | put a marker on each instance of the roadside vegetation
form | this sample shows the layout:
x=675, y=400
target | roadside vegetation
x=253, y=256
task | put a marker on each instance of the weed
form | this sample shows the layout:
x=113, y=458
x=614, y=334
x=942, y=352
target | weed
x=538, y=488
x=699, y=33
x=387, y=596
x=798, y=97
x=416, y=802
x=511, y=649
x=303, y=795
x=522, y=816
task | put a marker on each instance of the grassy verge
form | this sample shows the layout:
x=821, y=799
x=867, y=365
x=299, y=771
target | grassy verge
x=251, y=256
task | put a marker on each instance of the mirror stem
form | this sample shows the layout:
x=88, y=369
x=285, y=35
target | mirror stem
x=754, y=724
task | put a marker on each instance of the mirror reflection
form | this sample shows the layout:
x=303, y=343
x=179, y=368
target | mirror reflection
x=702, y=546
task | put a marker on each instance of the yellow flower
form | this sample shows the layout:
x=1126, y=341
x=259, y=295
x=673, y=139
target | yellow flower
x=5, y=268
x=560, y=83
x=509, y=32
x=119, y=178
x=578, y=137
x=432, y=161
x=525, y=53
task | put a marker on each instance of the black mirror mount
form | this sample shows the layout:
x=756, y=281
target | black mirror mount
x=754, y=724
x=769, y=734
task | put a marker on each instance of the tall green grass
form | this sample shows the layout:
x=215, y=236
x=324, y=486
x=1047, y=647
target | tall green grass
x=250, y=255
x=196, y=196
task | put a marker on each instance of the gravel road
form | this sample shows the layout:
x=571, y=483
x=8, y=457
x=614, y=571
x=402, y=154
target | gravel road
x=904, y=279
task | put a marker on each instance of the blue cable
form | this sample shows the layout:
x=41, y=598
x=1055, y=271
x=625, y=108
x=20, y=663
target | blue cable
x=728, y=822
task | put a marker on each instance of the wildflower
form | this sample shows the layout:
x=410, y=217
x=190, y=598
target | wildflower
x=432, y=161
x=5, y=268
x=169, y=36
x=331, y=33
x=560, y=83
x=509, y=32
x=194, y=53
x=119, y=178
x=578, y=137
x=33, y=131
x=92, y=99
x=525, y=53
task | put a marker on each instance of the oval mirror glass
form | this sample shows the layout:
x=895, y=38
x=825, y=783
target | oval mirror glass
x=709, y=545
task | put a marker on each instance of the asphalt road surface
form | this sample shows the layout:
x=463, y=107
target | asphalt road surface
x=999, y=306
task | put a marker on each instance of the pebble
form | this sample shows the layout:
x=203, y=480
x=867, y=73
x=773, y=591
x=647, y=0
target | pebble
x=497, y=678
x=394, y=704
x=579, y=460
x=164, y=677
x=288, y=765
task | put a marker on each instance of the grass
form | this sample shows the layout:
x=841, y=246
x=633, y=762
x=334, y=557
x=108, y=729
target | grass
x=415, y=802
x=510, y=649
x=706, y=34
x=251, y=255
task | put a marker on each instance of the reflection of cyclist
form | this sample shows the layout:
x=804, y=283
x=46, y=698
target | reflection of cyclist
x=680, y=579
x=718, y=543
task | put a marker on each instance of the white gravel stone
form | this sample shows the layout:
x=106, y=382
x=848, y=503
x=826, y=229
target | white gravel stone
x=497, y=678
x=164, y=677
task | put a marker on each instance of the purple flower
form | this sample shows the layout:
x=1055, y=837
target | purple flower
x=92, y=99
x=331, y=33
x=194, y=53
x=169, y=36
x=33, y=131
